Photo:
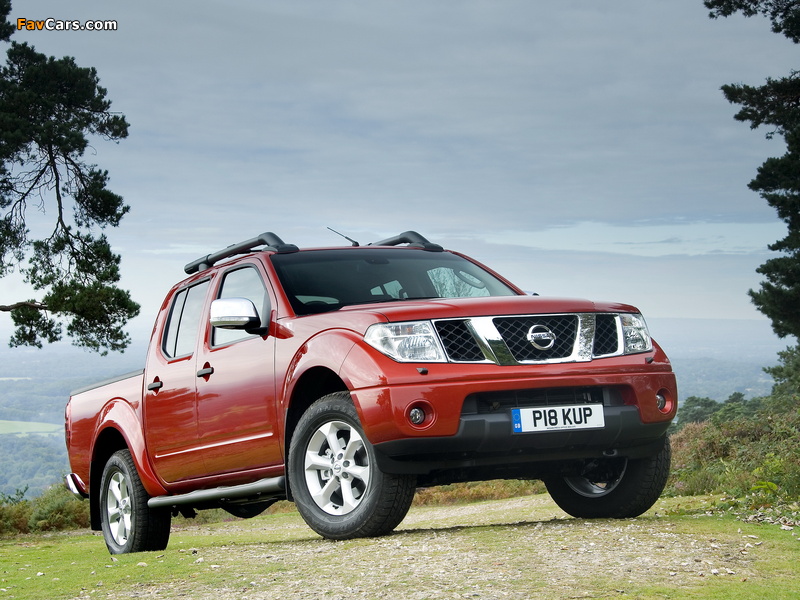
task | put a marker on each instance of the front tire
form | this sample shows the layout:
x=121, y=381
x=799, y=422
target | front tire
x=613, y=488
x=128, y=524
x=334, y=476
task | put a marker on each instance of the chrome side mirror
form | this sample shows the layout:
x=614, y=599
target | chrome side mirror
x=234, y=313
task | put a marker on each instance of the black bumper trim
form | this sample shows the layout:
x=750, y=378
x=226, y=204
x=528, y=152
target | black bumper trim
x=487, y=440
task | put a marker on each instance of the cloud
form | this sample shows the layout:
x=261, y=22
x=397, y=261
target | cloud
x=591, y=142
x=646, y=239
x=538, y=113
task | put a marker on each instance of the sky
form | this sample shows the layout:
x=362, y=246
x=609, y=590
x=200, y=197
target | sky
x=579, y=148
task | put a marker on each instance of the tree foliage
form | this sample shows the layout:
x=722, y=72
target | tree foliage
x=50, y=110
x=696, y=409
x=784, y=14
x=786, y=375
x=776, y=105
x=6, y=28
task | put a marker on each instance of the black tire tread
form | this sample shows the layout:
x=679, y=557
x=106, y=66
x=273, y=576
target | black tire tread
x=395, y=492
x=151, y=528
x=640, y=488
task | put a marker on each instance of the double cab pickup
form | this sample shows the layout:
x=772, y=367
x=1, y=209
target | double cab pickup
x=343, y=378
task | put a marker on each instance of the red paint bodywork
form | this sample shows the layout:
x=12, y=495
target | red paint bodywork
x=231, y=427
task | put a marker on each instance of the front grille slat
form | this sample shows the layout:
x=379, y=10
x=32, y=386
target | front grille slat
x=530, y=339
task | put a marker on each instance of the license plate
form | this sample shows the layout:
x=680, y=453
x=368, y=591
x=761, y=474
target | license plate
x=556, y=418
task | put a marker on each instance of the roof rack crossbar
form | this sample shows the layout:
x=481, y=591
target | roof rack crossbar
x=411, y=238
x=267, y=239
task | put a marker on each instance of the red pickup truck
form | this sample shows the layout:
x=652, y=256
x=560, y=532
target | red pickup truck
x=343, y=378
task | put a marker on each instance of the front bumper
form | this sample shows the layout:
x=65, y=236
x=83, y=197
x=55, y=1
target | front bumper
x=468, y=428
x=487, y=442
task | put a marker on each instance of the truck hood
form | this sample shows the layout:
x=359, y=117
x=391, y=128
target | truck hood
x=444, y=308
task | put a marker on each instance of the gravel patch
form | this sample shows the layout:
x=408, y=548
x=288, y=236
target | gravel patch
x=514, y=549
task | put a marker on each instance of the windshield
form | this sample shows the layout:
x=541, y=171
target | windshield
x=322, y=280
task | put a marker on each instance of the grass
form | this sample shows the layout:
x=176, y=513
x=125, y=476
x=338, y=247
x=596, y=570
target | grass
x=517, y=548
x=67, y=565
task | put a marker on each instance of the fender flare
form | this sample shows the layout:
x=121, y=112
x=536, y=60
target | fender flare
x=118, y=415
x=350, y=361
x=358, y=366
x=327, y=350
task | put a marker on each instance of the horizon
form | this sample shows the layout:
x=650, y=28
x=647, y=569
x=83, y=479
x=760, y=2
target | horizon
x=578, y=150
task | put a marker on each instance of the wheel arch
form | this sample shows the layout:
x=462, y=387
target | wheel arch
x=111, y=439
x=312, y=385
x=108, y=442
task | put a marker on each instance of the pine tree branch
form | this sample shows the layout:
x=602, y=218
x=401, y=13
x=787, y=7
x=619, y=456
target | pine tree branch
x=28, y=304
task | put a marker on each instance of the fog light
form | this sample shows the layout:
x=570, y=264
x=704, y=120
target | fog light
x=416, y=415
x=661, y=402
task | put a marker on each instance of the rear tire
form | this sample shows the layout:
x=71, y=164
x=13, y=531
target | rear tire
x=613, y=488
x=128, y=524
x=334, y=476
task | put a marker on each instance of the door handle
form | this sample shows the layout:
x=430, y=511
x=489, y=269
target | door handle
x=205, y=372
x=156, y=385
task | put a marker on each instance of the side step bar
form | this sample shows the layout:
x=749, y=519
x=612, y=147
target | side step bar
x=258, y=490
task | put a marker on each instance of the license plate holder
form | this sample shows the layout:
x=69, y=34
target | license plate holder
x=557, y=418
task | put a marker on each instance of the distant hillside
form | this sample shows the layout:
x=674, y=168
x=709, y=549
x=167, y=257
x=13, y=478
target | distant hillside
x=35, y=384
x=711, y=358
x=734, y=340
x=715, y=357
x=718, y=379
x=33, y=461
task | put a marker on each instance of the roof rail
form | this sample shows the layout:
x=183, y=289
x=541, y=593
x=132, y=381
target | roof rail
x=267, y=239
x=412, y=238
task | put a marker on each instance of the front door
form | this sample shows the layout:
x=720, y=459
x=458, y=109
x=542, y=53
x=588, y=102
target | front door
x=236, y=418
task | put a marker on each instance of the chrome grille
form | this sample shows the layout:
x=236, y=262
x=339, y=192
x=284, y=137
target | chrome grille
x=514, y=331
x=509, y=340
x=458, y=342
x=606, y=339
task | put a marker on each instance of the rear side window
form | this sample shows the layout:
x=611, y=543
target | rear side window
x=180, y=335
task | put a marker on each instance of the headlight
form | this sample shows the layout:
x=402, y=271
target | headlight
x=635, y=336
x=414, y=341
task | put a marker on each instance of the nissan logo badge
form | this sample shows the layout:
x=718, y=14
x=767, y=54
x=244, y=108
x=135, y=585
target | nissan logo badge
x=541, y=337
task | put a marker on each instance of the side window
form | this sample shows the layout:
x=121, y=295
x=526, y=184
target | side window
x=242, y=283
x=180, y=336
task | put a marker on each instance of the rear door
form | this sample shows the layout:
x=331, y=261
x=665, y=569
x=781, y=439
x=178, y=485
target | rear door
x=170, y=411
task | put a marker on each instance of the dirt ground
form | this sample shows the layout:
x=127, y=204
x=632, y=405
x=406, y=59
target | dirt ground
x=520, y=548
